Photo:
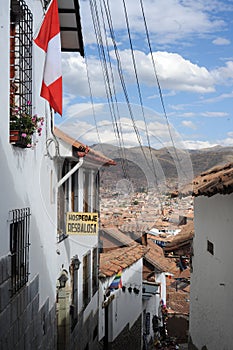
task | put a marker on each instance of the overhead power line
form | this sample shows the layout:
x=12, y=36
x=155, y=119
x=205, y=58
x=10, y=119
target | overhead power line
x=106, y=75
x=159, y=87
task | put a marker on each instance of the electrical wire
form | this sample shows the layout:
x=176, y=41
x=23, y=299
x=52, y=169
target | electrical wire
x=139, y=90
x=159, y=86
x=118, y=123
x=115, y=104
x=121, y=76
x=102, y=55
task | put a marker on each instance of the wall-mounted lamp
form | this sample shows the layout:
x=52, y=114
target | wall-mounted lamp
x=123, y=289
x=75, y=262
x=63, y=278
x=130, y=289
x=136, y=291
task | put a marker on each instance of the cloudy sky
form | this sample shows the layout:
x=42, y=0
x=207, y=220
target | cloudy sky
x=112, y=95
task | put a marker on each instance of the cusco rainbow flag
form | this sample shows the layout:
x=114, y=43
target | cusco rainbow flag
x=117, y=281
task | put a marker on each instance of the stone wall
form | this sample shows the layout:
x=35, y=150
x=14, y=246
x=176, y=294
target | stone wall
x=22, y=324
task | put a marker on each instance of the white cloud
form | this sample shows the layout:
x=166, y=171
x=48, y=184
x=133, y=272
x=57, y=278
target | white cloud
x=131, y=133
x=218, y=98
x=81, y=110
x=188, y=115
x=221, y=41
x=174, y=72
x=214, y=114
x=75, y=77
x=226, y=142
x=168, y=21
x=189, y=124
x=190, y=144
x=223, y=74
x=179, y=107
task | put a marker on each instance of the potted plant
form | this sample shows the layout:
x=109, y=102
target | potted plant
x=23, y=125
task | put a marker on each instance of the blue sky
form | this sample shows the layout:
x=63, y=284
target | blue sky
x=192, y=50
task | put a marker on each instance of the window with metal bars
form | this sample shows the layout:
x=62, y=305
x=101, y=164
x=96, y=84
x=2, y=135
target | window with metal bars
x=21, y=40
x=19, y=248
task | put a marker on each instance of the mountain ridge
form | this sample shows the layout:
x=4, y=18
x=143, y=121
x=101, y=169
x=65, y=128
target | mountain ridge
x=142, y=163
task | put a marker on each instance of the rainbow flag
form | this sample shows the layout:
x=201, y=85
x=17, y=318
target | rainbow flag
x=117, y=282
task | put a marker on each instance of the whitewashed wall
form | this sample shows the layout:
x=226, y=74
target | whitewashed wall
x=126, y=307
x=78, y=245
x=152, y=305
x=26, y=174
x=211, y=316
x=161, y=278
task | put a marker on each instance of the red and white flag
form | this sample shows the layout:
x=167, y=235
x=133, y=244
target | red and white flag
x=49, y=40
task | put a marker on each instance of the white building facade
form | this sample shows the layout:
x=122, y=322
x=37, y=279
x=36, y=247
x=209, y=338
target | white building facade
x=34, y=261
x=211, y=315
x=77, y=247
x=120, y=311
x=27, y=213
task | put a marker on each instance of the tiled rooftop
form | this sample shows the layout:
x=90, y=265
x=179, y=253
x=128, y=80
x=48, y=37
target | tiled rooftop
x=80, y=147
x=216, y=180
x=155, y=256
x=121, y=258
x=182, y=238
x=178, y=302
x=116, y=234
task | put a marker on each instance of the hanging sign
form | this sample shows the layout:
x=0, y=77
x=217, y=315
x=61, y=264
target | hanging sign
x=81, y=223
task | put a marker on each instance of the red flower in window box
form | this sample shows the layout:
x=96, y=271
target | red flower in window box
x=23, y=125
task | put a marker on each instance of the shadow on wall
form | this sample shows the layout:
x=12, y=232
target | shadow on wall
x=178, y=327
x=191, y=346
x=11, y=201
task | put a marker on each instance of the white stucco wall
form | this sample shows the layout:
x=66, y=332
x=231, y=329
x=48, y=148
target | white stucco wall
x=79, y=245
x=211, y=316
x=161, y=278
x=126, y=307
x=152, y=305
x=26, y=174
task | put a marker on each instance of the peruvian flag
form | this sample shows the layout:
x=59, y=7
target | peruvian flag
x=48, y=39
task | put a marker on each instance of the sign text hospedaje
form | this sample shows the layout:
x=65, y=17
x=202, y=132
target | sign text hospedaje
x=81, y=223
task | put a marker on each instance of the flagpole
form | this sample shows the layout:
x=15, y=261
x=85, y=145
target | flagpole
x=45, y=10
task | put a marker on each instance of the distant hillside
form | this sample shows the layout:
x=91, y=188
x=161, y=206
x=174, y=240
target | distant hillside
x=140, y=164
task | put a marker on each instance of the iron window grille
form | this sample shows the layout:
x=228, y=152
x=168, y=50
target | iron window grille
x=19, y=248
x=210, y=247
x=21, y=41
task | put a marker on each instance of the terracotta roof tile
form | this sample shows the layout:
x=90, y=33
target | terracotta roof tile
x=216, y=180
x=90, y=153
x=182, y=238
x=111, y=262
x=116, y=234
x=178, y=302
x=156, y=257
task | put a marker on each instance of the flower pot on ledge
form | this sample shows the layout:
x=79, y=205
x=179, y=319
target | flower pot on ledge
x=17, y=140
